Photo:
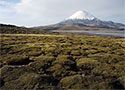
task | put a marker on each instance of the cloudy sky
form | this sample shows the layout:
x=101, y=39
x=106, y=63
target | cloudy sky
x=45, y=12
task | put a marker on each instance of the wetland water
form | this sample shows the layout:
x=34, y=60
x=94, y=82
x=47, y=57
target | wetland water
x=94, y=32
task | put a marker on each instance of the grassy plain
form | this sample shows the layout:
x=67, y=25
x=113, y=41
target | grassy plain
x=44, y=61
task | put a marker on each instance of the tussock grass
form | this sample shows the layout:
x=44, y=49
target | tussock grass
x=61, y=61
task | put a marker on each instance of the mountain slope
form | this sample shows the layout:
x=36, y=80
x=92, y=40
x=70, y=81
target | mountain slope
x=12, y=29
x=83, y=17
x=82, y=20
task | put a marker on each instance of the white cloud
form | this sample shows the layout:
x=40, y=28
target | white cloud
x=30, y=12
x=42, y=12
x=4, y=3
x=6, y=10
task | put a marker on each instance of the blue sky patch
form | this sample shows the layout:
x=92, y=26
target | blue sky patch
x=12, y=1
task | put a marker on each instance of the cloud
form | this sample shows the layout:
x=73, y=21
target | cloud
x=31, y=8
x=44, y=12
x=4, y=3
x=6, y=10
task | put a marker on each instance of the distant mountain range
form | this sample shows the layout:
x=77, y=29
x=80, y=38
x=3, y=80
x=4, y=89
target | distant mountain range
x=83, y=20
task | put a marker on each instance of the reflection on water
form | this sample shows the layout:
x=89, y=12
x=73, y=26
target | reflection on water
x=95, y=32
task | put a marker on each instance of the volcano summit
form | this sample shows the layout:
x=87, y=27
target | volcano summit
x=81, y=20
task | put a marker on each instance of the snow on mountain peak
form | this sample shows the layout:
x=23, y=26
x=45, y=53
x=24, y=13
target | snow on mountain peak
x=81, y=15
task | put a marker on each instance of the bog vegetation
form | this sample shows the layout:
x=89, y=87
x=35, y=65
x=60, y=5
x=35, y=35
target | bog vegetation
x=30, y=61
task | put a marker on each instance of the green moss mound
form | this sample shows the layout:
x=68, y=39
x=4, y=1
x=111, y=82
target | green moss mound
x=46, y=61
x=42, y=63
x=86, y=63
x=10, y=73
x=72, y=82
x=16, y=60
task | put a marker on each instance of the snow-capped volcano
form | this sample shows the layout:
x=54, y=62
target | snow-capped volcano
x=85, y=19
x=81, y=15
x=81, y=20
